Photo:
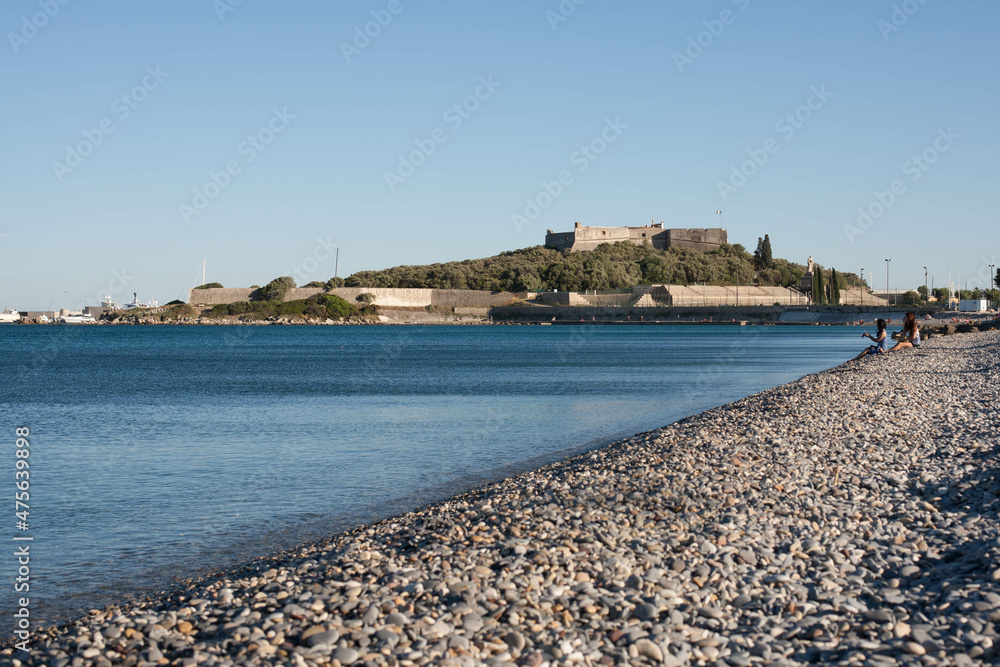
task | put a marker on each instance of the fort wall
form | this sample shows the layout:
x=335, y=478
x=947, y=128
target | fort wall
x=584, y=238
x=384, y=296
x=705, y=240
x=211, y=297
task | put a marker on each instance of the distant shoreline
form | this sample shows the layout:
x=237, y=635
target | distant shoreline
x=574, y=316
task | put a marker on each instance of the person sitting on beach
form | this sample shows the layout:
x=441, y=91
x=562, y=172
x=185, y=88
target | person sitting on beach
x=911, y=333
x=880, y=338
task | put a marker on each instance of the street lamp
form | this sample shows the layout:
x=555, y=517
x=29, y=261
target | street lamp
x=926, y=291
x=887, y=278
x=993, y=283
x=862, y=285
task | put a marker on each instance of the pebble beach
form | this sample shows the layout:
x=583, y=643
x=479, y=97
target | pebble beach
x=849, y=517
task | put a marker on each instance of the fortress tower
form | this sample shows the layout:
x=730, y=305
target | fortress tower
x=588, y=238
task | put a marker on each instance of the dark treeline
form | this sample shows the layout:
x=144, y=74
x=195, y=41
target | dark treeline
x=608, y=267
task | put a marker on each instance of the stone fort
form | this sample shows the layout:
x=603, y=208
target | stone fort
x=588, y=238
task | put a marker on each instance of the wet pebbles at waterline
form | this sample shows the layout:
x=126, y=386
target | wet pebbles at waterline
x=850, y=516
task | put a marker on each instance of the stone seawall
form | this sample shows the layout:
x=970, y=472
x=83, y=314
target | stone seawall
x=384, y=296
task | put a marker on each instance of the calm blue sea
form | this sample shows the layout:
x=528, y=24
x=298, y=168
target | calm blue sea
x=160, y=453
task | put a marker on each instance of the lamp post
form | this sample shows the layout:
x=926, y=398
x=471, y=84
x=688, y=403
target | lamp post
x=926, y=290
x=887, y=278
x=992, y=284
x=862, y=285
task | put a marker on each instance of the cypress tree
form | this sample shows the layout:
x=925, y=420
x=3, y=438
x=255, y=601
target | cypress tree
x=819, y=289
x=766, y=257
x=834, y=287
x=758, y=254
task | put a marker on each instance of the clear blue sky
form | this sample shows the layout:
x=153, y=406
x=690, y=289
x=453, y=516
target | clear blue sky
x=68, y=230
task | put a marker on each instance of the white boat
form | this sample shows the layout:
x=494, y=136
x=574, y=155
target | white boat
x=77, y=318
x=9, y=315
x=138, y=304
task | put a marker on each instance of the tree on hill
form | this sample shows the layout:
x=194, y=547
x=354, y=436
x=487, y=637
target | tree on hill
x=276, y=289
x=763, y=258
x=209, y=286
x=819, y=289
x=607, y=267
x=834, y=287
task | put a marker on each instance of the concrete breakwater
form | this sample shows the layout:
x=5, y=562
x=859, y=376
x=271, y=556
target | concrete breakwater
x=848, y=516
x=713, y=314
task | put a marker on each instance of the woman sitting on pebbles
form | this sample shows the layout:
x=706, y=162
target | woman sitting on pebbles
x=881, y=341
x=911, y=333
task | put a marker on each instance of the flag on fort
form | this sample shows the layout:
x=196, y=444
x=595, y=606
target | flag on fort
x=718, y=212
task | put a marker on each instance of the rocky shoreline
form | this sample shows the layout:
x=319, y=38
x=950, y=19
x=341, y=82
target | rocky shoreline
x=390, y=316
x=848, y=517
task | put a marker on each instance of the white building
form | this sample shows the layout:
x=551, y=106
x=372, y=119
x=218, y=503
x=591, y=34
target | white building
x=972, y=305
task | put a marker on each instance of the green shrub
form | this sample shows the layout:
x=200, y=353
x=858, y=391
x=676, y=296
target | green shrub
x=291, y=307
x=276, y=289
x=318, y=306
x=333, y=306
x=607, y=267
x=176, y=311
x=209, y=286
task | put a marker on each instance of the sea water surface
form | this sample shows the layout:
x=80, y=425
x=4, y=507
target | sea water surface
x=160, y=453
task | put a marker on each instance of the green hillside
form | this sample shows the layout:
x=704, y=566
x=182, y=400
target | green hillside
x=608, y=267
